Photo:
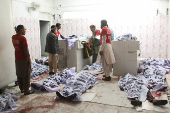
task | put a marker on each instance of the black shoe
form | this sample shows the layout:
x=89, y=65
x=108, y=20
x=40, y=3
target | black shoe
x=59, y=95
x=71, y=97
x=160, y=102
x=107, y=78
x=136, y=103
x=51, y=73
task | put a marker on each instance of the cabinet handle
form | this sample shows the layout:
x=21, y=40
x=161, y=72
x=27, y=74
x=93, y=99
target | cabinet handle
x=131, y=51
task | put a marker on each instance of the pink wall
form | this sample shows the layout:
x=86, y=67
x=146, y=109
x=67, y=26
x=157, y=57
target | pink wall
x=152, y=32
x=32, y=35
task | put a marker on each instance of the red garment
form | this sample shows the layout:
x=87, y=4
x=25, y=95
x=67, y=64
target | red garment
x=106, y=31
x=97, y=32
x=58, y=33
x=19, y=42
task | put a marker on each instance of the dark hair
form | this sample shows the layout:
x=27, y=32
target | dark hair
x=53, y=26
x=58, y=24
x=92, y=26
x=104, y=23
x=19, y=27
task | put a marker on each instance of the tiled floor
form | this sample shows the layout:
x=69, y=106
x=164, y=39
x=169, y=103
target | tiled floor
x=105, y=97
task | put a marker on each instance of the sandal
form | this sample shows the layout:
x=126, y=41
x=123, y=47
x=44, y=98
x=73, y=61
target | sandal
x=160, y=102
x=29, y=92
x=107, y=78
x=136, y=103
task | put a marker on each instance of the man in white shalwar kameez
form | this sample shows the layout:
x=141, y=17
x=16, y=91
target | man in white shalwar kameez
x=105, y=54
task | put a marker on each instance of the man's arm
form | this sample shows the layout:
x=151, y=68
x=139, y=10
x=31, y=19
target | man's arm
x=104, y=32
x=103, y=43
x=26, y=52
x=62, y=36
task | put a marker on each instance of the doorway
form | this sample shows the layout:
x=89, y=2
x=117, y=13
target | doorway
x=44, y=30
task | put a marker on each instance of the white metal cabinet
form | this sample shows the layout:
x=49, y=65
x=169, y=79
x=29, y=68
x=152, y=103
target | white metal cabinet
x=126, y=55
x=73, y=57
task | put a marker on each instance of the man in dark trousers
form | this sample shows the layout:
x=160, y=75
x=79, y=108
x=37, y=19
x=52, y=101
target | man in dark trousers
x=52, y=47
x=22, y=60
x=95, y=43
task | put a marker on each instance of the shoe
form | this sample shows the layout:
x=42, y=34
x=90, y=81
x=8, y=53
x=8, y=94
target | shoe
x=29, y=92
x=160, y=102
x=51, y=73
x=71, y=97
x=59, y=95
x=107, y=78
x=136, y=103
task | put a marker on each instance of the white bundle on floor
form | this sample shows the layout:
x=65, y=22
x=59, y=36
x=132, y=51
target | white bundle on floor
x=51, y=83
x=7, y=102
x=78, y=84
x=38, y=69
x=134, y=86
x=159, y=63
x=93, y=67
x=152, y=75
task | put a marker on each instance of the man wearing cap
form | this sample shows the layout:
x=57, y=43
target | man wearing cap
x=58, y=26
x=106, y=55
x=52, y=47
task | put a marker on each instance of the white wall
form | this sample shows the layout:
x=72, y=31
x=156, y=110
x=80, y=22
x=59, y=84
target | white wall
x=20, y=8
x=7, y=58
x=111, y=8
x=169, y=32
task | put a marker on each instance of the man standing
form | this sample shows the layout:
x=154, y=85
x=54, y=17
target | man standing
x=58, y=26
x=106, y=55
x=52, y=47
x=22, y=60
x=95, y=43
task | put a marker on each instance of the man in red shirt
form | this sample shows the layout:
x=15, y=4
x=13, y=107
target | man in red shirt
x=22, y=60
x=58, y=26
x=106, y=55
x=95, y=42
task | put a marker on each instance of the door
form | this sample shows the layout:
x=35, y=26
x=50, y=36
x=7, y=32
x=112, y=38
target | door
x=44, y=30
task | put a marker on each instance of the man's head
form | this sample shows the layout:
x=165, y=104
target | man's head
x=53, y=28
x=20, y=29
x=92, y=28
x=58, y=25
x=103, y=23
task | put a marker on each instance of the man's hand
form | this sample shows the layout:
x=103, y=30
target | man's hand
x=101, y=52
